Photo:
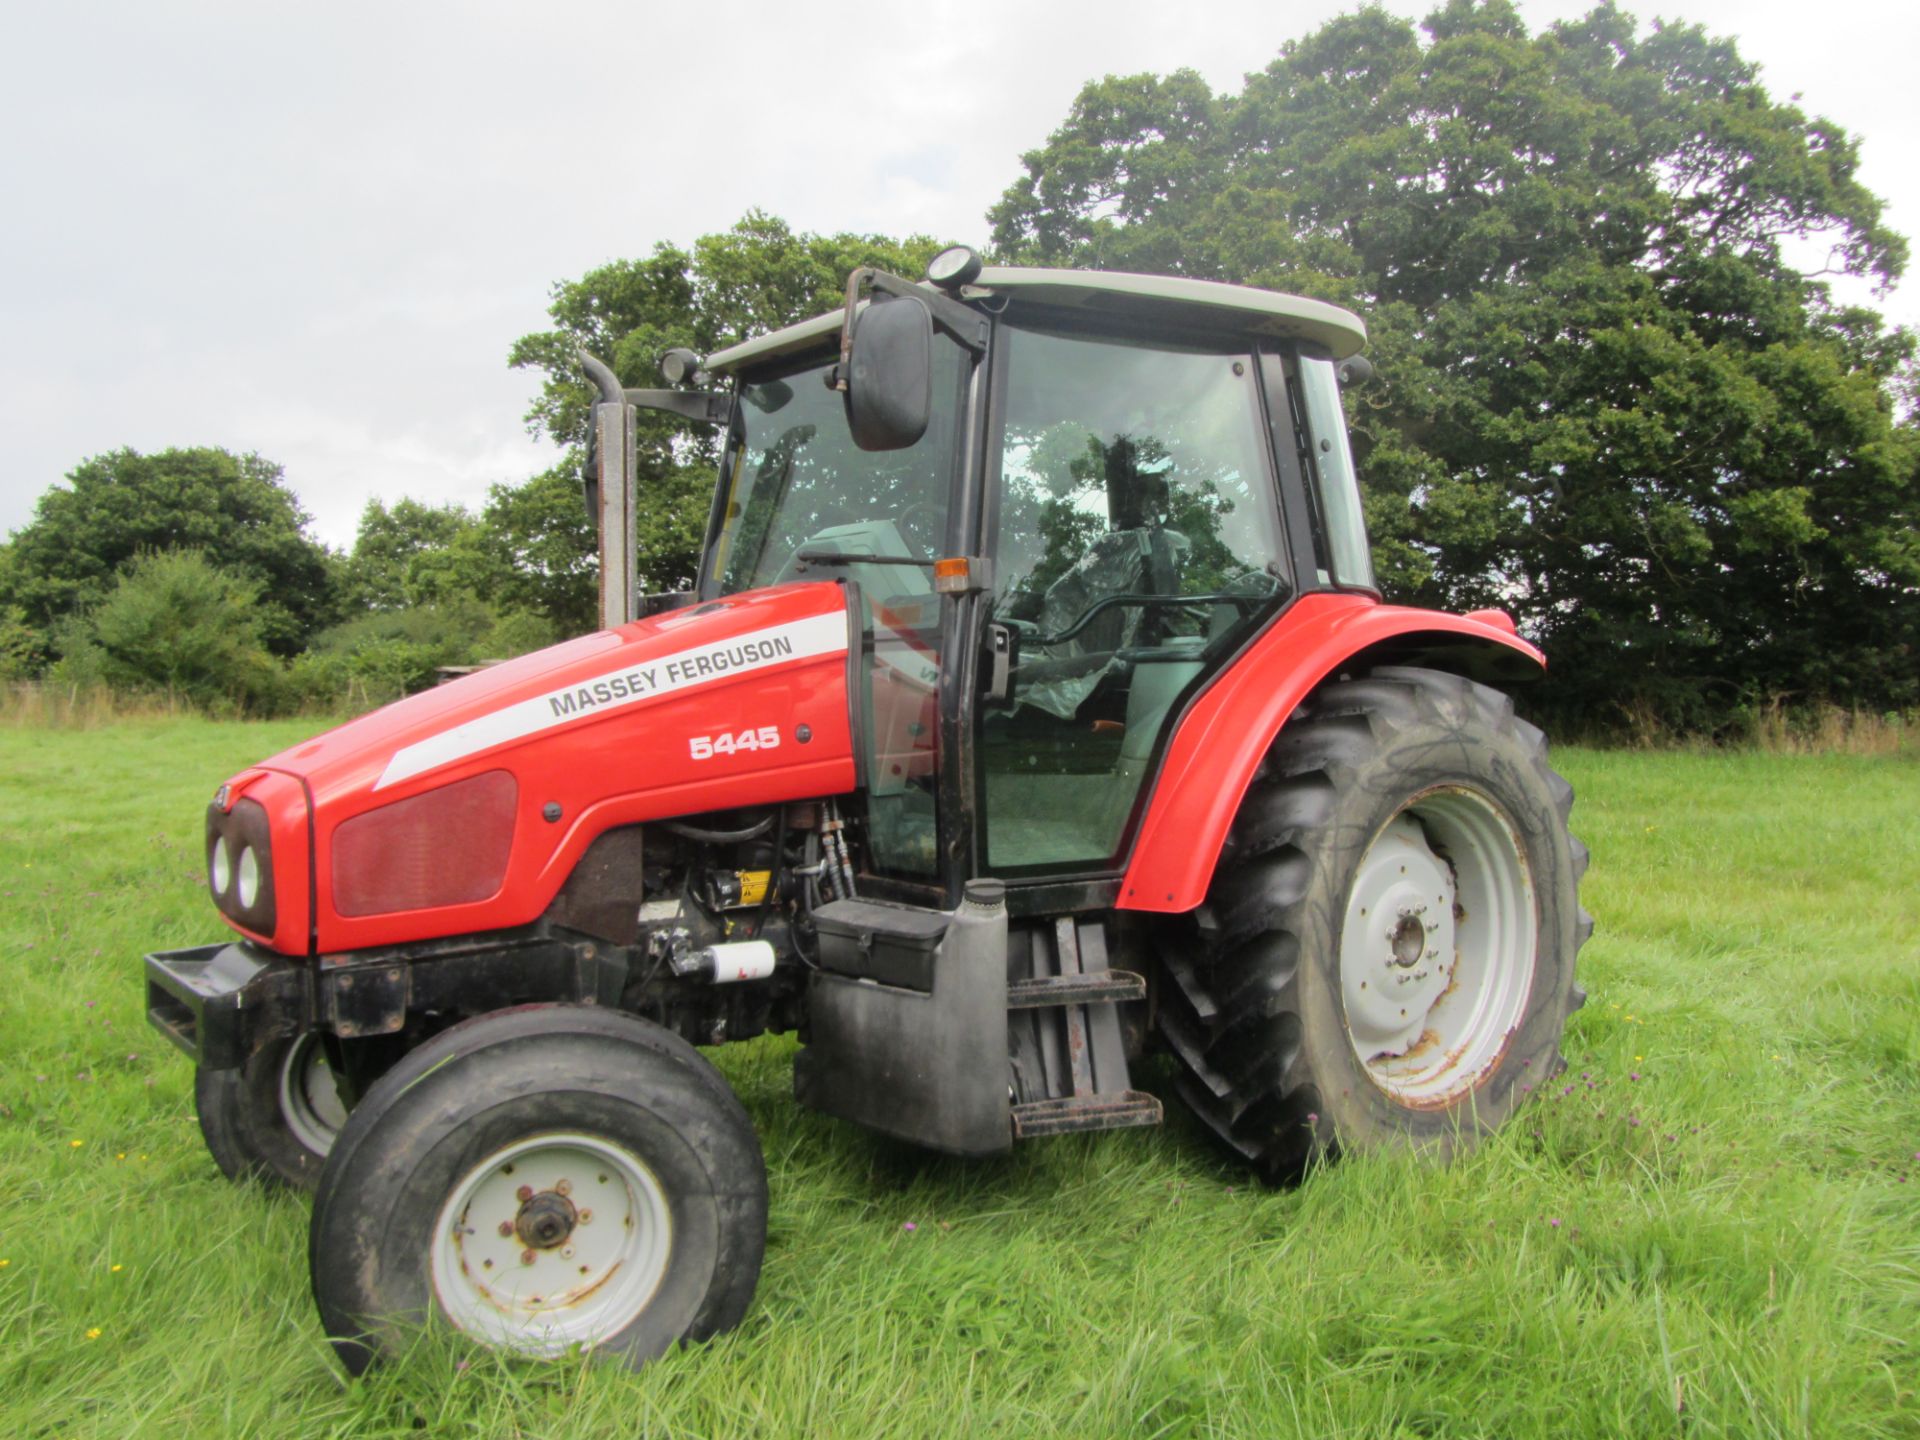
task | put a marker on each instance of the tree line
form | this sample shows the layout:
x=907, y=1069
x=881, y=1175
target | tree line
x=1616, y=397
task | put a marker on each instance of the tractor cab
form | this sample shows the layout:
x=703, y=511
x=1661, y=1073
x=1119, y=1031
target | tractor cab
x=1090, y=493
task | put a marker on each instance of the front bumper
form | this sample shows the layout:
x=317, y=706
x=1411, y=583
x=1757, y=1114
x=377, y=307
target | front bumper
x=220, y=1003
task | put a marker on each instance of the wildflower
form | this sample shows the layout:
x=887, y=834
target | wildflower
x=1634, y=1075
x=76, y=1144
x=116, y=1269
x=91, y=1004
x=909, y=1227
x=121, y=1156
x=5, y=1263
x=1554, y=1221
x=94, y=1333
x=1639, y=1057
x=460, y=1365
x=1312, y=1118
x=1634, y=1120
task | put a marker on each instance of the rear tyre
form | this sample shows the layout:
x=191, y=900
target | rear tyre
x=540, y=1179
x=1385, y=956
x=275, y=1118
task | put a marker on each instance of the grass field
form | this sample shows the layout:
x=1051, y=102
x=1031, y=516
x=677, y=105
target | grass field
x=1710, y=1226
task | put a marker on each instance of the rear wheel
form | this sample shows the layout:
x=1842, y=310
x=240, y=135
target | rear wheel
x=1385, y=955
x=275, y=1118
x=540, y=1179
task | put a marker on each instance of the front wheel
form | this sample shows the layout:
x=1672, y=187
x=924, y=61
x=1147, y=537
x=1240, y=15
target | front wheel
x=274, y=1118
x=1386, y=953
x=541, y=1179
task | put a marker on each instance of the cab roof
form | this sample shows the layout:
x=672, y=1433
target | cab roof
x=1168, y=299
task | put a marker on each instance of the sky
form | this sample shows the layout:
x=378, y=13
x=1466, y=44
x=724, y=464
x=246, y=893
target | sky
x=314, y=231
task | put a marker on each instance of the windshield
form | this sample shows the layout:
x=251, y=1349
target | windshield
x=799, y=482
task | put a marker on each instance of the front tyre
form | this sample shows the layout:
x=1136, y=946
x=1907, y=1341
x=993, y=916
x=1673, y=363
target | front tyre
x=1385, y=956
x=541, y=1179
x=275, y=1118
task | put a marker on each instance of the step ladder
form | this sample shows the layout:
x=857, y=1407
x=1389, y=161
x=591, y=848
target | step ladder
x=1064, y=1036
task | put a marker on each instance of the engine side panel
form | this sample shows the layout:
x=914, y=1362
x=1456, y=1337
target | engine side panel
x=1213, y=754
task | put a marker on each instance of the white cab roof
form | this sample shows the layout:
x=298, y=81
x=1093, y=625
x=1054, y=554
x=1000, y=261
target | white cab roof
x=1203, y=304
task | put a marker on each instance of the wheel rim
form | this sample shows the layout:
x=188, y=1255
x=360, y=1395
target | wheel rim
x=553, y=1241
x=309, y=1100
x=1437, y=948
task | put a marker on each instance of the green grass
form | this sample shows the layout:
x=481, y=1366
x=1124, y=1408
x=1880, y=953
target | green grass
x=1751, y=1245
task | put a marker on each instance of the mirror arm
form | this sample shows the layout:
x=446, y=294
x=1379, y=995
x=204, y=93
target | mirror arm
x=968, y=326
x=703, y=407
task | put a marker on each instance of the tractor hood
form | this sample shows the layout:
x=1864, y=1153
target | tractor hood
x=465, y=807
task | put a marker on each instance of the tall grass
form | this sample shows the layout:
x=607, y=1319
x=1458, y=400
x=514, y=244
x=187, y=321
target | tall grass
x=1709, y=1226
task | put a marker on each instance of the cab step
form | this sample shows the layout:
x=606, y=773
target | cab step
x=1116, y=1110
x=1102, y=987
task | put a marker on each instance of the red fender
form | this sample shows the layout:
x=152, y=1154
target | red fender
x=1219, y=742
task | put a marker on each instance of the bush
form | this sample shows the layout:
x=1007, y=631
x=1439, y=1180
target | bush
x=380, y=657
x=175, y=624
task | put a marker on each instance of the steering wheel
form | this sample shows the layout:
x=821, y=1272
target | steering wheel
x=918, y=515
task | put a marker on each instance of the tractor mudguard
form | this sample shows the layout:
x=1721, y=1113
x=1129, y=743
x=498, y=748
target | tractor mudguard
x=1218, y=744
x=464, y=808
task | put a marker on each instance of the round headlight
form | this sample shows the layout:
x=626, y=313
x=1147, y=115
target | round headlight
x=248, y=886
x=220, y=867
x=953, y=267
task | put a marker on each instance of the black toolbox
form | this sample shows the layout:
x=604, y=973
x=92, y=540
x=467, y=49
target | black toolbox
x=888, y=944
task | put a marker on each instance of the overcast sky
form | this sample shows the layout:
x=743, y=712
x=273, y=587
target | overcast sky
x=313, y=231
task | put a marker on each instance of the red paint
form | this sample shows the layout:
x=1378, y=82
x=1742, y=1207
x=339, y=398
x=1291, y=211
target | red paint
x=1214, y=753
x=613, y=767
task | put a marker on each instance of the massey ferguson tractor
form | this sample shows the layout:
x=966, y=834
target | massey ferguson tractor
x=1034, y=714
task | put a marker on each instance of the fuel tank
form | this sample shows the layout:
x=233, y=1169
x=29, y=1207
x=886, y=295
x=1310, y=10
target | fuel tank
x=466, y=807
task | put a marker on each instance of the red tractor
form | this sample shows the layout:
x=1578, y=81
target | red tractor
x=1034, y=712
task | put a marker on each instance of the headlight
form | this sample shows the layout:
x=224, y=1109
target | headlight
x=240, y=864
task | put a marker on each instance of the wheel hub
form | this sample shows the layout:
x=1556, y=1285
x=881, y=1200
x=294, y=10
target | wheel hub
x=309, y=1100
x=1397, y=956
x=551, y=1241
x=545, y=1220
x=1437, y=946
x=1409, y=941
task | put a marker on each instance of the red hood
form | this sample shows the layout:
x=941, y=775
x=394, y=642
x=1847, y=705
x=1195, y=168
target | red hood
x=362, y=753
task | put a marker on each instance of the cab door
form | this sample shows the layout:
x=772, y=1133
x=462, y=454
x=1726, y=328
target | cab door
x=1137, y=541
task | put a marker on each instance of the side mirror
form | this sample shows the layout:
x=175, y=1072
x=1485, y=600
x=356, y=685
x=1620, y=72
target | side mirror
x=889, y=373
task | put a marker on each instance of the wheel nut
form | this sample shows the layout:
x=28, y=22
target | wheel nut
x=524, y=1193
x=527, y=1257
x=506, y=1228
x=565, y=1187
x=586, y=1217
x=566, y=1253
